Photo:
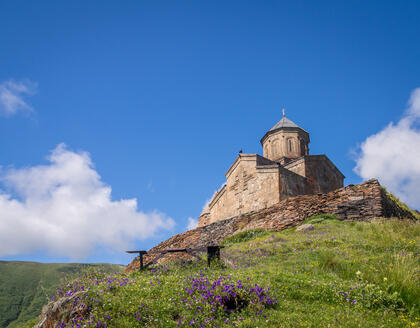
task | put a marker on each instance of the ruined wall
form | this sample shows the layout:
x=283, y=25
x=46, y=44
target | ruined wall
x=249, y=186
x=354, y=202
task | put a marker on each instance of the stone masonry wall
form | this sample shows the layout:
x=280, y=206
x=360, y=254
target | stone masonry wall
x=276, y=145
x=354, y=202
x=247, y=188
x=322, y=174
x=254, y=183
x=292, y=184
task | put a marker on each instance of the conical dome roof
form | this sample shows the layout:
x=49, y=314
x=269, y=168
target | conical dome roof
x=284, y=123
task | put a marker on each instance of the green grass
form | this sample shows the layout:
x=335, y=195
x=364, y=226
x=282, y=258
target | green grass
x=401, y=204
x=244, y=236
x=341, y=274
x=320, y=218
x=26, y=286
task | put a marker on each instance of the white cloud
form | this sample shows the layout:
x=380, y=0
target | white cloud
x=393, y=155
x=192, y=223
x=12, y=96
x=64, y=208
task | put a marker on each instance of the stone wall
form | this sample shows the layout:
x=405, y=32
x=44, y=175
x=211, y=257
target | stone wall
x=322, y=174
x=354, y=202
x=291, y=143
x=249, y=186
x=291, y=184
x=297, y=166
x=254, y=183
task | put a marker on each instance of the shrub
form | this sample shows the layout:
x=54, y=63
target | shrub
x=329, y=260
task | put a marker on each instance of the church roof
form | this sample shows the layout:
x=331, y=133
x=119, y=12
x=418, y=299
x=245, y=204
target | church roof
x=284, y=123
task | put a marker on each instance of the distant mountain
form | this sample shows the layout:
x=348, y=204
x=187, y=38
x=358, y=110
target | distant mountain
x=26, y=286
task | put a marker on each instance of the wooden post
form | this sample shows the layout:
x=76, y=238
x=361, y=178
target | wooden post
x=141, y=253
x=141, y=261
x=213, y=252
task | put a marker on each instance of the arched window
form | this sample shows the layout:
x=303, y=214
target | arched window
x=290, y=145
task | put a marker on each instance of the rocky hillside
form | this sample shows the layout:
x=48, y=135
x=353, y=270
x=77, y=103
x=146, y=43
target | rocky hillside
x=355, y=202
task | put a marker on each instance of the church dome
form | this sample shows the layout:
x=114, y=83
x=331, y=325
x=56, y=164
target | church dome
x=285, y=139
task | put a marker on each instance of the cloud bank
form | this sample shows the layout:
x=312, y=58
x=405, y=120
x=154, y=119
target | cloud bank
x=12, y=96
x=393, y=155
x=65, y=209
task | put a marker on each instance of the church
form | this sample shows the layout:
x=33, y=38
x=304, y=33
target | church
x=286, y=169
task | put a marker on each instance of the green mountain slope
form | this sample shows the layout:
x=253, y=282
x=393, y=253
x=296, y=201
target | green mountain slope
x=340, y=274
x=26, y=286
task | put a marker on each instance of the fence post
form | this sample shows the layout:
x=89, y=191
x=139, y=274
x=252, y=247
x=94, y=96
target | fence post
x=213, y=252
x=141, y=260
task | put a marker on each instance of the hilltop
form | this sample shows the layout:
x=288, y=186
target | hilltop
x=362, y=202
x=333, y=274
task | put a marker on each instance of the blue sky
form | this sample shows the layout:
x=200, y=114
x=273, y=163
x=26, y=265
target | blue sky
x=163, y=94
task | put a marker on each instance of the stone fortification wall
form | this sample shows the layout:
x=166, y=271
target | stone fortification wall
x=355, y=202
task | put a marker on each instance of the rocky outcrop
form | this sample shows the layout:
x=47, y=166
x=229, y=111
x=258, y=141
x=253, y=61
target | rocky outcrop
x=60, y=312
x=354, y=202
x=305, y=227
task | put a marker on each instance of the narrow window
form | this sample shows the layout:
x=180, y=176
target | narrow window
x=290, y=145
x=274, y=148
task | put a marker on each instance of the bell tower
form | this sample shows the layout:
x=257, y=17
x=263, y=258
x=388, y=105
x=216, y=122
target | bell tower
x=285, y=140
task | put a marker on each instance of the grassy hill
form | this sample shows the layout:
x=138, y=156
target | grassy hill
x=26, y=286
x=340, y=274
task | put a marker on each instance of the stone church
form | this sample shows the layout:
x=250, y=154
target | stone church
x=286, y=169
